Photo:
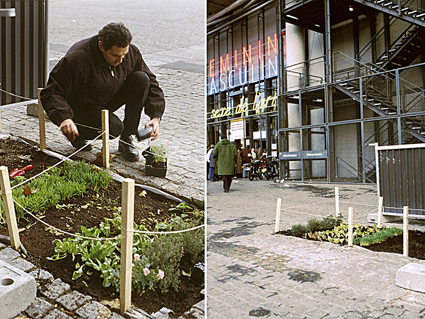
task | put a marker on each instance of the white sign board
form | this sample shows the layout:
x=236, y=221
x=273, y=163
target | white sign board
x=236, y=130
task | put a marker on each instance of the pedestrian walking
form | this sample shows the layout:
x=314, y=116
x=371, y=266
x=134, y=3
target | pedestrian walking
x=244, y=153
x=212, y=164
x=252, y=155
x=104, y=71
x=225, y=156
x=239, y=166
x=207, y=159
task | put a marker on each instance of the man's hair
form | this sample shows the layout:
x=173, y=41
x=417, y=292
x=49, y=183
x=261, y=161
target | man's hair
x=115, y=34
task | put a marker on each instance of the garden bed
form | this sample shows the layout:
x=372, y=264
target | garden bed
x=90, y=210
x=370, y=237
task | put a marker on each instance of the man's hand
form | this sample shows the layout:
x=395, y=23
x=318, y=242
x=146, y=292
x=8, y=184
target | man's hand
x=69, y=129
x=154, y=134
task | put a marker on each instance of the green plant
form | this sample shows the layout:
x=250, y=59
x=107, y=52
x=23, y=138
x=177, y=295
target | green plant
x=160, y=254
x=71, y=180
x=159, y=153
x=298, y=230
x=314, y=225
x=143, y=276
x=378, y=237
x=165, y=253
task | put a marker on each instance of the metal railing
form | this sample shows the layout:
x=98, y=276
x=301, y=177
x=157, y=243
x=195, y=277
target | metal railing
x=306, y=74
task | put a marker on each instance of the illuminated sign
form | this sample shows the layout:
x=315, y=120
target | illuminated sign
x=259, y=106
x=249, y=65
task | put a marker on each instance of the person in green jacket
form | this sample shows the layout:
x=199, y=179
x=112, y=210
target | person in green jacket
x=225, y=156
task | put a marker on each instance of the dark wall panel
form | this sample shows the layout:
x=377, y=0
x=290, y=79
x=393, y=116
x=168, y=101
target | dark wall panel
x=22, y=46
x=402, y=179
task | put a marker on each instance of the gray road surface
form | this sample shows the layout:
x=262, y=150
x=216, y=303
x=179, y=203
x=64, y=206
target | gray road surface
x=254, y=273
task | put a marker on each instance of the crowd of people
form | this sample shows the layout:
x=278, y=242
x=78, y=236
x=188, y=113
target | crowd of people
x=226, y=162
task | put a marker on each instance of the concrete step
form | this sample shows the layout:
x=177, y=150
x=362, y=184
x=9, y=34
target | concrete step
x=17, y=290
x=411, y=276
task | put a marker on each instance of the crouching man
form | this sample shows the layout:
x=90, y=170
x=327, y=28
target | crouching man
x=105, y=71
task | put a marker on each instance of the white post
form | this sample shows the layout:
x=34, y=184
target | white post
x=406, y=231
x=380, y=208
x=337, y=211
x=9, y=208
x=350, y=226
x=279, y=204
x=105, y=138
x=126, y=244
x=41, y=122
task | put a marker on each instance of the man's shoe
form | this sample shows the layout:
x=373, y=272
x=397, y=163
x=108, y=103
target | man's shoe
x=80, y=143
x=127, y=148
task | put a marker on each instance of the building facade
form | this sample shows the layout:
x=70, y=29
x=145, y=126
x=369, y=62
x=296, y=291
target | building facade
x=318, y=82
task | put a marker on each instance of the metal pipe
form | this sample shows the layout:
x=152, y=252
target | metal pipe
x=226, y=10
x=240, y=17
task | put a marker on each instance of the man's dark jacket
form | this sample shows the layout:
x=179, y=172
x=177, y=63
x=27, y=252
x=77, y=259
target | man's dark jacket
x=83, y=78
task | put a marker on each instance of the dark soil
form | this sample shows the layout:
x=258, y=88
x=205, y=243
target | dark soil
x=395, y=245
x=83, y=210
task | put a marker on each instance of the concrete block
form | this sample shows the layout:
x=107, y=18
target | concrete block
x=385, y=218
x=411, y=276
x=17, y=290
x=8, y=254
x=32, y=109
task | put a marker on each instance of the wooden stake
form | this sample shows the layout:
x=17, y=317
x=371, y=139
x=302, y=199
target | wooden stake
x=380, y=208
x=406, y=231
x=9, y=208
x=337, y=211
x=126, y=244
x=350, y=226
x=105, y=138
x=279, y=204
x=41, y=122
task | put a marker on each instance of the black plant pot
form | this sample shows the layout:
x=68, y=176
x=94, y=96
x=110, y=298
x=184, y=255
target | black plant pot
x=152, y=168
x=155, y=171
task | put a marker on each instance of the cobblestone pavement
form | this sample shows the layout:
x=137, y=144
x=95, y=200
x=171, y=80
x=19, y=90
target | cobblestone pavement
x=170, y=35
x=255, y=273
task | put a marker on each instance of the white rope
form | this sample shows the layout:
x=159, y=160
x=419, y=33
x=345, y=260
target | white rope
x=21, y=97
x=103, y=239
x=167, y=232
x=58, y=163
x=62, y=231
x=370, y=205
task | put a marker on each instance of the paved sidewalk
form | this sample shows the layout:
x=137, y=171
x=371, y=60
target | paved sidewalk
x=254, y=273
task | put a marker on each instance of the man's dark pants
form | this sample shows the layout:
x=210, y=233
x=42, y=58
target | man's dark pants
x=133, y=94
x=227, y=181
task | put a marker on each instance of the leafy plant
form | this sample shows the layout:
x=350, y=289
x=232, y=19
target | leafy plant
x=314, y=225
x=159, y=153
x=159, y=254
x=143, y=276
x=71, y=180
x=378, y=237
